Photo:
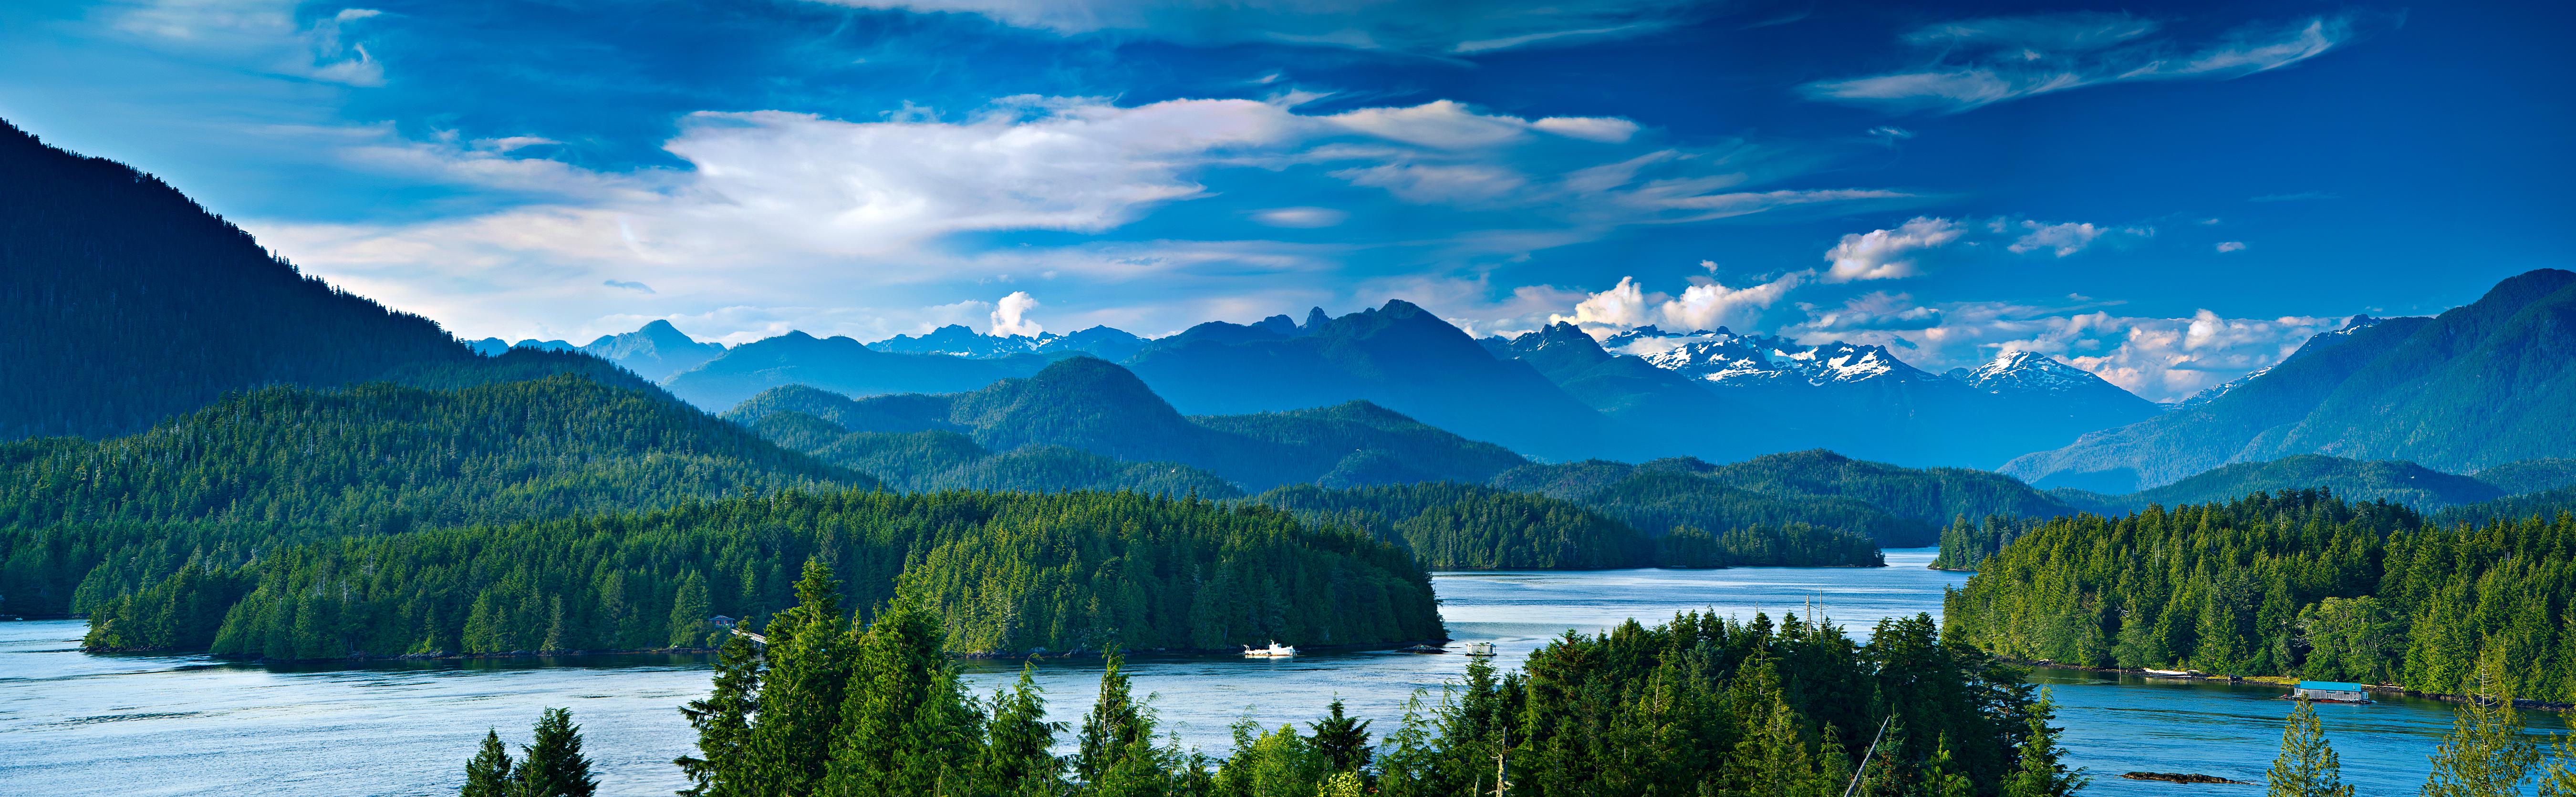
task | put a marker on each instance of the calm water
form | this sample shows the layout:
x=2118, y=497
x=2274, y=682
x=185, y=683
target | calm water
x=72, y=723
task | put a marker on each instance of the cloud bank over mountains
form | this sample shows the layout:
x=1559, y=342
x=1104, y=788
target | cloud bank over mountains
x=876, y=167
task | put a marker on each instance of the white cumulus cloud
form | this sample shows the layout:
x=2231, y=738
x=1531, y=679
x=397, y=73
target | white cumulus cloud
x=1889, y=254
x=1011, y=315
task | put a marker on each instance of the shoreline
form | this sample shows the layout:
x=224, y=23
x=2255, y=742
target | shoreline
x=974, y=656
x=2290, y=682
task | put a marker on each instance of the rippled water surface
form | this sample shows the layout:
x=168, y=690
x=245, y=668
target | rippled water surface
x=72, y=723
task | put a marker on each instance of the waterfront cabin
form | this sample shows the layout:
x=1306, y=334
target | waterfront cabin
x=2332, y=692
x=720, y=621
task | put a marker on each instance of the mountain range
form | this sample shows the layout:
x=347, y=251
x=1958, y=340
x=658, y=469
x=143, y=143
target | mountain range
x=2480, y=385
x=1093, y=406
x=654, y=352
x=1555, y=393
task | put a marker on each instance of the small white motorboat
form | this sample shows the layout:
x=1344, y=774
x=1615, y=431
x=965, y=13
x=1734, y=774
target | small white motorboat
x=1275, y=651
x=1480, y=648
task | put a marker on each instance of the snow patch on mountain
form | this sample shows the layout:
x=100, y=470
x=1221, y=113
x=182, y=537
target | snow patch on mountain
x=2026, y=371
x=1721, y=356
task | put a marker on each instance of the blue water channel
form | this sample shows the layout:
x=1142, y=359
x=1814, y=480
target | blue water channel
x=74, y=723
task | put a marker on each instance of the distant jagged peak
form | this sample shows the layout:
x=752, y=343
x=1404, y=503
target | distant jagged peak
x=1722, y=356
x=2026, y=370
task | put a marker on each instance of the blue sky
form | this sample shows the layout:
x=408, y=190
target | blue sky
x=2168, y=196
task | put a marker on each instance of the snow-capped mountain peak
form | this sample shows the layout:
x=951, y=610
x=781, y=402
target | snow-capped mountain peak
x=1721, y=356
x=2025, y=370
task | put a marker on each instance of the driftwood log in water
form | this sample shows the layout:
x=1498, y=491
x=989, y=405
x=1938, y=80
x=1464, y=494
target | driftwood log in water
x=2176, y=777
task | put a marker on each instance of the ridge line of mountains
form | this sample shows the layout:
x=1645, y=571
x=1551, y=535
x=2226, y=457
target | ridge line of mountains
x=133, y=315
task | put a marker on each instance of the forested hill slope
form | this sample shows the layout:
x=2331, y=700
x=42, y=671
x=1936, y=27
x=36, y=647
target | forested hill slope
x=1005, y=573
x=1094, y=406
x=2300, y=584
x=943, y=460
x=1469, y=527
x=2483, y=384
x=122, y=302
x=2357, y=480
x=383, y=457
x=1897, y=506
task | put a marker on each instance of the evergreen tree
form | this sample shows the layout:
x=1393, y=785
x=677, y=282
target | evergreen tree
x=801, y=692
x=2307, y=766
x=1115, y=726
x=1942, y=776
x=723, y=722
x=1017, y=759
x=2485, y=754
x=488, y=773
x=554, y=766
x=1343, y=741
x=689, y=613
x=904, y=722
x=2040, y=774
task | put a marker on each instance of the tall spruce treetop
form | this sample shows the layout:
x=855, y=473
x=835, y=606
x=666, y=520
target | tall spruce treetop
x=555, y=766
x=2040, y=774
x=723, y=722
x=1017, y=757
x=1114, y=726
x=488, y=773
x=2307, y=766
x=800, y=700
x=905, y=725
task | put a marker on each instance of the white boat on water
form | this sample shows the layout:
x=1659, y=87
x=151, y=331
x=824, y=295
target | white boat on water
x=2152, y=672
x=1275, y=651
x=1480, y=648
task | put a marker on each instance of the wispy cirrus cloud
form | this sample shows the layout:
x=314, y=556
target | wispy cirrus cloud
x=1417, y=26
x=266, y=33
x=1975, y=63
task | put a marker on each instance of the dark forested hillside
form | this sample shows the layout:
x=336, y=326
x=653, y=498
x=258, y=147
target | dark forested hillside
x=1898, y=507
x=1004, y=573
x=1090, y=405
x=123, y=303
x=2397, y=482
x=2480, y=385
x=2301, y=584
x=383, y=457
x=837, y=364
x=2530, y=475
x=1466, y=527
x=943, y=460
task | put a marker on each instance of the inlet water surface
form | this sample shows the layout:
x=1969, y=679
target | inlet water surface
x=73, y=723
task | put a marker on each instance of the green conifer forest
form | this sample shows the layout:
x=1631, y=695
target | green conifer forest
x=2299, y=583
x=1704, y=705
x=1000, y=572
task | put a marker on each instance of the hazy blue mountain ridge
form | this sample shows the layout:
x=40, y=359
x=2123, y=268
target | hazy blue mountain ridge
x=2483, y=384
